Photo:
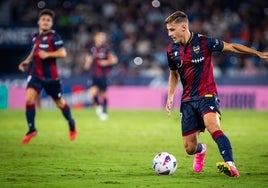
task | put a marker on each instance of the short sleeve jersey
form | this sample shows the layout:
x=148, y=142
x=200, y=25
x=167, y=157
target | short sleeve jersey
x=193, y=61
x=45, y=69
x=99, y=53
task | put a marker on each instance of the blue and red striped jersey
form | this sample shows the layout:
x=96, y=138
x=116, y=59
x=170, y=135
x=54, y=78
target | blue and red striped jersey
x=45, y=69
x=99, y=53
x=193, y=61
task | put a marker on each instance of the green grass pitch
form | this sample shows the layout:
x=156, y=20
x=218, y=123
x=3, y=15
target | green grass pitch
x=119, y=152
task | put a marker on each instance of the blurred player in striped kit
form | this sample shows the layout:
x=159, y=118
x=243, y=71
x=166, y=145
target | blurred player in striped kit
x=99, y=62
x=47, y=46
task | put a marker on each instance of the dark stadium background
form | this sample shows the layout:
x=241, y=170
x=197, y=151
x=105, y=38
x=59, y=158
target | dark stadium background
x=137, y=34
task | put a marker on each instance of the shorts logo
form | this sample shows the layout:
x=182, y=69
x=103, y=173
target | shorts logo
x=211, y=107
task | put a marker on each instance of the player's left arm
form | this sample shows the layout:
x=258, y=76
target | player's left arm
x=242, y=49
x=60, y=53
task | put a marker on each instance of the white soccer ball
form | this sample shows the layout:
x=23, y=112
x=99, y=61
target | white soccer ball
x=164, y=163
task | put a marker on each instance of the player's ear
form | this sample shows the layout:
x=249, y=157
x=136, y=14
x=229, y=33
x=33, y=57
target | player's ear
x=183, y=27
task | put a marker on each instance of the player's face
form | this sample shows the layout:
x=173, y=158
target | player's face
x=176, y=31
x=45, y=23
x=100, y=38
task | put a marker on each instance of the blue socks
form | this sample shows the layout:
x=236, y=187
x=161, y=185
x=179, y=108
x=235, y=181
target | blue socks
x=224, y=145
x=30, y=116
x=66, y=111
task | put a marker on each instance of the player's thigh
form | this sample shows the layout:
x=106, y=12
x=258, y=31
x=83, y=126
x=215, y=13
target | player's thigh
x=191, y=120
x=212, y=122
x=210, y=110
x=34, y=86
x=60, y=102
x=93, y=90
x=31, y=95
x=53, y=89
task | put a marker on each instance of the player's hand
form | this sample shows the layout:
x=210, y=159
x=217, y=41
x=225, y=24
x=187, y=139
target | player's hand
x=264, y=55
x=104, y=63
x=43, y=54
x=169, y=105
x=23, y=65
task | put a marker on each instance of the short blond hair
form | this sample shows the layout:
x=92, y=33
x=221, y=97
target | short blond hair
x=177, y=17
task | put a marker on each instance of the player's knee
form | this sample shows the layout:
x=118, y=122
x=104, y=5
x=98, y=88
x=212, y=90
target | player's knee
x=29, y=100
x=60, y=103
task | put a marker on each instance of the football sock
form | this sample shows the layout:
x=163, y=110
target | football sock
x=30, y=115
x=224, y=145
x=104, y=105
x=66, y=111
x=200, y=148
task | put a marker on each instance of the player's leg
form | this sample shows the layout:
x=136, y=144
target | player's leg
x=32, y=91
x=93, y=92
x=31, y=95
x=211, y=117
x=191, y=127
x=53, y=88
x=193, y=147
x=103, y=93
x=104, y=115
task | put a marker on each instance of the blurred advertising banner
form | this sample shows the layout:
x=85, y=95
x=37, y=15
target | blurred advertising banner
x=142, y=97
x=15, y=37
x=3, y=97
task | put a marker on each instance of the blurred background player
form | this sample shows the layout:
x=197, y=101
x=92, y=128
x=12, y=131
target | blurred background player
x=190, y=60
x=47, y=46
x=99, y=62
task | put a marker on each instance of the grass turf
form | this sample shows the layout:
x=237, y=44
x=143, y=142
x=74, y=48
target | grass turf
x=119, y=152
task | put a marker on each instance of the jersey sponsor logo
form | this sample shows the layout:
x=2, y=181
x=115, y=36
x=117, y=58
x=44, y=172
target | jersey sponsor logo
x=198, y=60
x=43, y=45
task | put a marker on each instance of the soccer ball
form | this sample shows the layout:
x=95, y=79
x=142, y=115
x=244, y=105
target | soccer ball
x=164, y=163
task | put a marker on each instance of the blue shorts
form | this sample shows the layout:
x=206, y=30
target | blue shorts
x=51, y=87
x=192, y=113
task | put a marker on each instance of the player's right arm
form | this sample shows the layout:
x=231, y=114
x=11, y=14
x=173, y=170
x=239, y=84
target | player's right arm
x=172, y=85
x=26, y=62
x=88, y=61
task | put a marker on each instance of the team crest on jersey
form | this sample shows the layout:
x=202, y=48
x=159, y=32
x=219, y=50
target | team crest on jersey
x=196, y=49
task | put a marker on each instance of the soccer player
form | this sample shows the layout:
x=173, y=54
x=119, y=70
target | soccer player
x=190, y=61
x=99, y=62
x=47, y=46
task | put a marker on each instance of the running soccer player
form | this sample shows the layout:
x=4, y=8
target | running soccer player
x=99, y=62
x=189, y=60
x=43, y=74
